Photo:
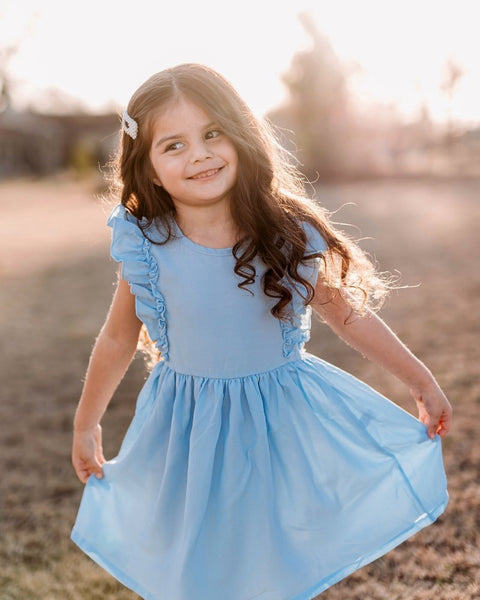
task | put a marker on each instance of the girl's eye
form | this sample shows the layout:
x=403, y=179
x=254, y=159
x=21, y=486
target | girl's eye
x=174, y=146
x=214, y=133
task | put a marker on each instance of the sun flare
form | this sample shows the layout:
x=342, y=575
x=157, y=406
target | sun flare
x=95, y=52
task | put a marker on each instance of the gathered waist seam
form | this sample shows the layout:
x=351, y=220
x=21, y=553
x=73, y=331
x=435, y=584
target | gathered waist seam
x=299, y=359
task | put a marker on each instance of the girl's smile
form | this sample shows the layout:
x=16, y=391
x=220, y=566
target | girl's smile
x=192, y=159
x=205, y=174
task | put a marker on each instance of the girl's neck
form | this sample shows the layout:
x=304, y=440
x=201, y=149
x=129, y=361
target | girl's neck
x=208, y=226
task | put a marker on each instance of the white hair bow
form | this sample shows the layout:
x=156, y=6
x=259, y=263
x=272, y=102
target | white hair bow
x=129, y=125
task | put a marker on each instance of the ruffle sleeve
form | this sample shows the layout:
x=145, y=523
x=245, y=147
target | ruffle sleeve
x=296, y=330
x=140, y=269
x=315, y=241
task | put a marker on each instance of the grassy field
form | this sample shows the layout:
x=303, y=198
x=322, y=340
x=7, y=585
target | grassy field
x=56, y=283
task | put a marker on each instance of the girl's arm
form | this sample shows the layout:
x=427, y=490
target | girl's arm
x=376, y=341
x=110, y=358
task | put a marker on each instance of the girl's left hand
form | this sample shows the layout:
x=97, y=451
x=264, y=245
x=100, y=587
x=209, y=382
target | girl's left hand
x=434, y=410
x=87, y=453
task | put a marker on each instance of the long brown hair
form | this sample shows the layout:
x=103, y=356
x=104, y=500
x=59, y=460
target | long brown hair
x=268, y=201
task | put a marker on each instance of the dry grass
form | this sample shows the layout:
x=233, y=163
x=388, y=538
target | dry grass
x=56, y=284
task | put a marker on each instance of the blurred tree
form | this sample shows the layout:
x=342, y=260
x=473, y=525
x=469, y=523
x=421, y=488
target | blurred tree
x=453, y=75
x=318, y=109
x=6, y=54
x=8, y=49
x=55, y=101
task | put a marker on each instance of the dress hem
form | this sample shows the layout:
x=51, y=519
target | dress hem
x=319, y=587
x=308, y=594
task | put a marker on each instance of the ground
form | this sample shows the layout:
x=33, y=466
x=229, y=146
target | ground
x=56, y=283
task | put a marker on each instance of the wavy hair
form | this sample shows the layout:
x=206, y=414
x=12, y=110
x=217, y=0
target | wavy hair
x=268, y=201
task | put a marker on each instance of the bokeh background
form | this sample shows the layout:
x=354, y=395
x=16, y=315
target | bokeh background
x=377, y=101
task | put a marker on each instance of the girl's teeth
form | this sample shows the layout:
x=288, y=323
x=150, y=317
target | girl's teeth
x=206, y=174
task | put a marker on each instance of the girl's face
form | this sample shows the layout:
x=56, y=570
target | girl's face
x=193, y=160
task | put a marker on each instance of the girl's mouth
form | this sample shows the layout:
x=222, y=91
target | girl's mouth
x=205, y=174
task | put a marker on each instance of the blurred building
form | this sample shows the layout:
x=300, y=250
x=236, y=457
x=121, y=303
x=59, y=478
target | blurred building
x=37, y=144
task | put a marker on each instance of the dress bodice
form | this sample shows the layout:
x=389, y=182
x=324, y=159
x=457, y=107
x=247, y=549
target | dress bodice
x=202, y=322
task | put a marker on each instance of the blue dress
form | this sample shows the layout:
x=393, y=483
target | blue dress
x=252, y=470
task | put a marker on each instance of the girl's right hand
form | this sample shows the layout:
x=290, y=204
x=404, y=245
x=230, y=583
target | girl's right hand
x=87, y=453
x=434, y=410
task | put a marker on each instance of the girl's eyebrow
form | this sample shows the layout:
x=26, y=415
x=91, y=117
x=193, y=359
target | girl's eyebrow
x=175, y=136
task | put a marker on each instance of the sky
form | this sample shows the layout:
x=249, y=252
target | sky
x=100, y=51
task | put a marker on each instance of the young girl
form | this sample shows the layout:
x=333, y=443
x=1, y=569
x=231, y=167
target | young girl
x=251, y=469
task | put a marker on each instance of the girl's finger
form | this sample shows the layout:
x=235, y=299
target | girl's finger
x=432, y=429
x=82, y=474
x=94, y=469
x=444, y=427
x=100, y=458
x=97, y=469
x=447, y=420
x=87, y=468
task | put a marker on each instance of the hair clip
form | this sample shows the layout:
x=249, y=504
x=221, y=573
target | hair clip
x=129, y=125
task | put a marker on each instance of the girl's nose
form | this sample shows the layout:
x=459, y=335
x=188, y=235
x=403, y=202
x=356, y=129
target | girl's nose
x=200, y=151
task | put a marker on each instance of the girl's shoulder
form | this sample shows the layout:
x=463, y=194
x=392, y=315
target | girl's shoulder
x=123, y=223
x=120, y=214
x=127, y=237
x=315, y=240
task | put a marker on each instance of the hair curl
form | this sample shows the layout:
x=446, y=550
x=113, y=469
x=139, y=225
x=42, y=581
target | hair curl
x=268, y=203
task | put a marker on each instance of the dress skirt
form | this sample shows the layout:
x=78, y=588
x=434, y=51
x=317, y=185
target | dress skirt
x=271, y=486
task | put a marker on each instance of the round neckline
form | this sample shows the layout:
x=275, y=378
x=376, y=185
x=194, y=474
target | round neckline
x=200, y=247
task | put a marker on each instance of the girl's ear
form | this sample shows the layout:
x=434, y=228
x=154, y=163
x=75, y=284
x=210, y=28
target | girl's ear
x=157, y=181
